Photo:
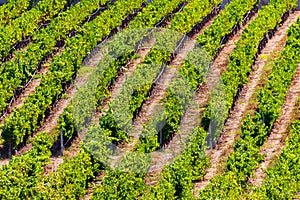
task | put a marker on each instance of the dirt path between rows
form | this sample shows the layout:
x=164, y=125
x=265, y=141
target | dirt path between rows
x=168, y=75
x=131, y=66
x=160, y=158
x=19, y=101
x=116, y=89
x=29, y=88
x=297, y=196
x=233, y=123
x=202, y=98
x=51, y=121
x=160, y=88
x=276, y=141
x=192, y=115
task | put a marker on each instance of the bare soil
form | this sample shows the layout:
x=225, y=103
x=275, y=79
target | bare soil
x=192, y=115
x=160, y=159
x=93, y=62
x=276, y=141
x=233, y=123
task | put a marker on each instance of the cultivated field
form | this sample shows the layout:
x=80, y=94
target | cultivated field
x=161, y=99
